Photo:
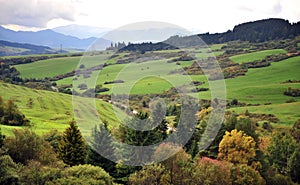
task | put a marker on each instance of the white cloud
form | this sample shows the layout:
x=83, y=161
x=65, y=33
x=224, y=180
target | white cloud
x=35, y=13
x=204, y=15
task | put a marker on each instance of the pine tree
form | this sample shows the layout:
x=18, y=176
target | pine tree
x=102, y=142
x=72, y=148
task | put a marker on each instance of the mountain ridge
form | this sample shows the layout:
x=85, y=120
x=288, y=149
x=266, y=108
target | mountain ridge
x=49, y=38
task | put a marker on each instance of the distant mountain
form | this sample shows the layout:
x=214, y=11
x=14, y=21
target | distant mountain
x=50, y=38
x=81, y=32
x=12, y=48
x=135, y=33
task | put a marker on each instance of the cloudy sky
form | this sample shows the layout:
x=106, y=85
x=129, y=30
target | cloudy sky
x=201, y=15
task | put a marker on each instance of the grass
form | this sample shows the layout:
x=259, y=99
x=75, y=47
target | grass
x=263, y=85
x=216, y=46
x=287, y=113
x=259, y=55
x=50, y=110
x=58, y=66
x=258, y=86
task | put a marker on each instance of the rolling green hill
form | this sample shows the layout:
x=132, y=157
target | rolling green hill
x=262, y=86
x=50, y=110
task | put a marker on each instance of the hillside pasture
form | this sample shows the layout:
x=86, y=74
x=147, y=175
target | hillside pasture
x=258, y=55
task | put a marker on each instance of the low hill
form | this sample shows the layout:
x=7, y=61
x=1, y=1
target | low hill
x=13, y=48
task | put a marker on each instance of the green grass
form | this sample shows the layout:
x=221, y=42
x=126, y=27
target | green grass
x=57, y=66
x=263, y=85
x=50, y=110
x=258, y=86
x=287, y=113
x=216, y=46
x=259, y=55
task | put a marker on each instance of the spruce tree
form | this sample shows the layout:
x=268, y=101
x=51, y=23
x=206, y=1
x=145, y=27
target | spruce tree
x=102, y=142
x=72, y=148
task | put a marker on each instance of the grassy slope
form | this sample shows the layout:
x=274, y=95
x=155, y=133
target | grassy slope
x=57, y=66
x=264, y=85
x=259, y=55
x=260, y=85
x=50, y=109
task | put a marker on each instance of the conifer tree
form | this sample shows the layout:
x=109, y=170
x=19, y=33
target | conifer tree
x=72, y=148
x=101, y=142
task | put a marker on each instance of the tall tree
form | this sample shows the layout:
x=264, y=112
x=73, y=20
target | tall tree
x=102, y=142
x=140, y=137
x=72, y=148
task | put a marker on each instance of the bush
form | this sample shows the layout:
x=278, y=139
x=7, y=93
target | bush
x=84, y=174
x=11, y=115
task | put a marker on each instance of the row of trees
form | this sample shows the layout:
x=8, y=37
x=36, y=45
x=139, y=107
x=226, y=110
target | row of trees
x=237, y=155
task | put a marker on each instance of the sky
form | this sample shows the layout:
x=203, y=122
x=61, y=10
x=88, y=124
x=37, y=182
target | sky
x=194, y=15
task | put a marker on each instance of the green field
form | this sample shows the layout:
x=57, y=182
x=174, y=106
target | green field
x=54, y=110
x=263, y=85
x=259, y=55
x=50, y=110
x=287, y=113
x=57, y=66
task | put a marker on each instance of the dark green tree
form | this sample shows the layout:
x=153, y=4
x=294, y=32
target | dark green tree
x=72, y=147
x=143, y=136
x=102, y=142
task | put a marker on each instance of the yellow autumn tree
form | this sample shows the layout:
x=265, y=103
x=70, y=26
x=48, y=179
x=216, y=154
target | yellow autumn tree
x=237, y=147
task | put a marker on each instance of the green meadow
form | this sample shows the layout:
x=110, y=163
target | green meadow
x=54, y=110
x=258, y=55
x=51, y=110
x=57, y=66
